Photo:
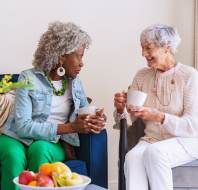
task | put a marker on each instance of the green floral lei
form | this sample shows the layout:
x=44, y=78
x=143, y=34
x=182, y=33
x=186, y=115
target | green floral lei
x=61, y=91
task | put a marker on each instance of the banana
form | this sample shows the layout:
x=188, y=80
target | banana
x=61, y=180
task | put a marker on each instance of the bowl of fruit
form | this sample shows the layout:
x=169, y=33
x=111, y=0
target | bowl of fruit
x=51, y=176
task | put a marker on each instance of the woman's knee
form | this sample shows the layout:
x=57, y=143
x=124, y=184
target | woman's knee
x=153, y=155
x=41, y=152
x=132, y=156
x=38, y=149
x=13, y=153
x=15, y=156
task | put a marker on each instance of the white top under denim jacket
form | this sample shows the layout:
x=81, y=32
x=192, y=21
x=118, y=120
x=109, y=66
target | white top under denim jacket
x=28, y=120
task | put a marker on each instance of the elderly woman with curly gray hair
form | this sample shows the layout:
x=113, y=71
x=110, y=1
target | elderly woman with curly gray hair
x=170, y=113
x=48, y=113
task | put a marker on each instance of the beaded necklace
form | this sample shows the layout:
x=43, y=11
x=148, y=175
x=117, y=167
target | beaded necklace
x=61, y=91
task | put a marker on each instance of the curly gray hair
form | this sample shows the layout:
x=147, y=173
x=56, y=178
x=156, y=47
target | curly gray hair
x=161, y=35
x=59, y=39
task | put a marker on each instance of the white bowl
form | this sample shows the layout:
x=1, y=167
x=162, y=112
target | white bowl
x=86, y=180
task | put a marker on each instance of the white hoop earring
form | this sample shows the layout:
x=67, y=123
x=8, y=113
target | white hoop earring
x=60, y=71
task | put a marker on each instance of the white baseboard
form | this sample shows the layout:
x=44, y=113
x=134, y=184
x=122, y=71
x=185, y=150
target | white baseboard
x=113, y=185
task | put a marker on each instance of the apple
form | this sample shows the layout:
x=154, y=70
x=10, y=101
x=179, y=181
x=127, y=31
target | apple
x=44, y=181
x=26, y=177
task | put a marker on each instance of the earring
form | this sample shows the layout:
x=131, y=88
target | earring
x=60, y=71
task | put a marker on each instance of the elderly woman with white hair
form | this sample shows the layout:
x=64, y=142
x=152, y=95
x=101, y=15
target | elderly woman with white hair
x=49, y=112
x=170, y=113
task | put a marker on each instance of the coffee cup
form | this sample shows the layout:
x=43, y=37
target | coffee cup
x=136, y=97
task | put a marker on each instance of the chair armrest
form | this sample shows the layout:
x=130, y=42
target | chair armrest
x=93, y=150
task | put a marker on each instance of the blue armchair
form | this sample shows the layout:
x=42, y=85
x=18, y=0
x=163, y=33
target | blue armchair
x=91, y=155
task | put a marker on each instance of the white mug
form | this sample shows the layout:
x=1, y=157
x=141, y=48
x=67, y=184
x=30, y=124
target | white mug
x=136, y=98
x=91, y=110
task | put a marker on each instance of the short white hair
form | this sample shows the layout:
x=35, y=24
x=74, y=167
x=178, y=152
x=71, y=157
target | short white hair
x=60, y=38
x=161, y=35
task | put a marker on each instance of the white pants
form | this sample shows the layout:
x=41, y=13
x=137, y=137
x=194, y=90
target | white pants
x=152, y=163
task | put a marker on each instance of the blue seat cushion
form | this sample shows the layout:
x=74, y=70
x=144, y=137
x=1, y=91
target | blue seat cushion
x=77, y=166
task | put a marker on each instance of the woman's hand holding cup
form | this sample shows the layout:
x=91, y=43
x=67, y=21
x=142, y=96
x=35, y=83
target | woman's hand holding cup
x=95, y=118
x=80, y=125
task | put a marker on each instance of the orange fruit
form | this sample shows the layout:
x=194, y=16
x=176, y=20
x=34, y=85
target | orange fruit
x=46, y=169
x=32, y=183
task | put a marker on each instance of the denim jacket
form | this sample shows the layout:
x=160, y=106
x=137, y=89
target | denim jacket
x=28, y=121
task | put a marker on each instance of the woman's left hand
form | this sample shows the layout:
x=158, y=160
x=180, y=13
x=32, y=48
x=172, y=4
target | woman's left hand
x=146, y=113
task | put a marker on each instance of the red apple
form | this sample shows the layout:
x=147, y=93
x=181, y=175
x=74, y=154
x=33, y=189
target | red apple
x=26, y=177
x=44, y=181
